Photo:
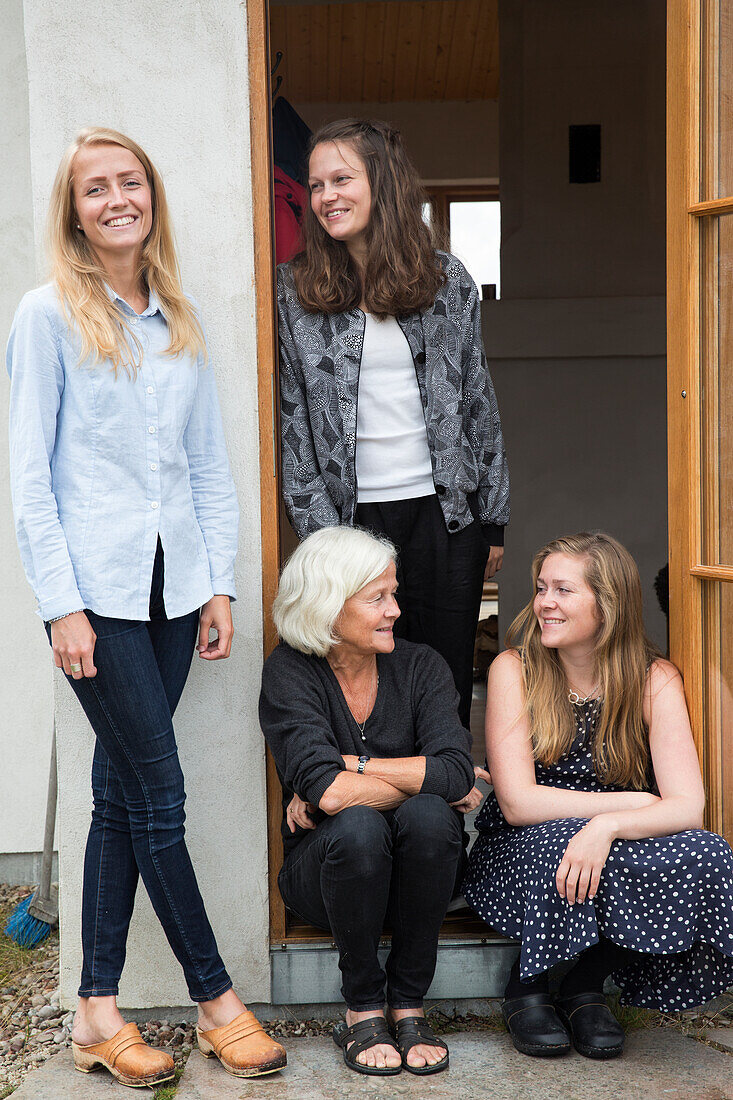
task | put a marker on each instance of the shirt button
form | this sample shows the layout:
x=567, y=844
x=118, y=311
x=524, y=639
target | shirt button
x=153, y=504
x=453, y=525
x=440, y=490
x=150, y=390
x=151, y=429
x=153, y=465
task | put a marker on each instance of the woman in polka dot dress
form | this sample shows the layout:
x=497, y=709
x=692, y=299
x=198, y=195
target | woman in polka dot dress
x=590, y=847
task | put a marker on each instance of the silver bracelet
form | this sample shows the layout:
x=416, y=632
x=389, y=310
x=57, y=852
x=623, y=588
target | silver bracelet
x=64, y=616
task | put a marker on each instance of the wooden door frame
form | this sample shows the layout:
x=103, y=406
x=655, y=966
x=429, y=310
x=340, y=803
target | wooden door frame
x=693, y=642
x=683, y=397
x=258, y=41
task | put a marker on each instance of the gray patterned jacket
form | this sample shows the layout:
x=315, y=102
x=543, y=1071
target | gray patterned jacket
x=320, y=357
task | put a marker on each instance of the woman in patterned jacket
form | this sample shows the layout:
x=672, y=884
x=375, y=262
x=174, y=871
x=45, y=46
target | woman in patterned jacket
x=389, y=417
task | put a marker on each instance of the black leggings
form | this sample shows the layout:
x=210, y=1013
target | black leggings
x=586, y=976
x=440, y=577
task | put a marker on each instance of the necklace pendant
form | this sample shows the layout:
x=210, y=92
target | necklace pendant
x=363, y=737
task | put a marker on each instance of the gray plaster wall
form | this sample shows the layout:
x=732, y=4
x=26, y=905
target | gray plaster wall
x=26, y=701
x=577, y=342
x=173, y=76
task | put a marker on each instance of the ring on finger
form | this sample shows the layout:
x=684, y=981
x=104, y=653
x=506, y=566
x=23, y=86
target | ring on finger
x=75, y=667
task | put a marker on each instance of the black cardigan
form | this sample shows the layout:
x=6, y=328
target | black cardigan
x=308, y=725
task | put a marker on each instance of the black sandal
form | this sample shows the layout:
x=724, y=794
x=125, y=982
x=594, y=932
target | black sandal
x=410, y=1032
x=362, y=1036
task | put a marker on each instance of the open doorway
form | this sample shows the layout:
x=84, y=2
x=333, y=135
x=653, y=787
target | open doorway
x=430, y=70
x=572, y=149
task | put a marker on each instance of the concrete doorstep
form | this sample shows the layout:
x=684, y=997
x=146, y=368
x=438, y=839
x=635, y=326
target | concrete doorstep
x=658, y=1064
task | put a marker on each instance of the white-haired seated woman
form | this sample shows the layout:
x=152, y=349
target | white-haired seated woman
x=375, y=767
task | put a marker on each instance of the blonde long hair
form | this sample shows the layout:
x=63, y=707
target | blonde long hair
x=622, y=657
x=80, y=278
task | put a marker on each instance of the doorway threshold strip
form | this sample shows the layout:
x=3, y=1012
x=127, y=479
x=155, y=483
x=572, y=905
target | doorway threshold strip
x=308, y=973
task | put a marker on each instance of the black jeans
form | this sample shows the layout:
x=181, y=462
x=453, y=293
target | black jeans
x=363, y=867
x=440, y=579
x=137, y=826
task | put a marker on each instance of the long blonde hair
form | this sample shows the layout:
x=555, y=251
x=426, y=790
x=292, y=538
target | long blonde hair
x=80, y=278
x=623, y=654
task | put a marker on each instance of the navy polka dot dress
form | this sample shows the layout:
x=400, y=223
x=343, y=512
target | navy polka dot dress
x=669, y=897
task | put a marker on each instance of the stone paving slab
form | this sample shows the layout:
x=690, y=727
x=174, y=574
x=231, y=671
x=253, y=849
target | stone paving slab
x=659, y=1064
x=57, y=1079
x=723, y=1036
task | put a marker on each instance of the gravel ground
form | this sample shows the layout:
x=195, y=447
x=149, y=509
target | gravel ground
x=33, y=1026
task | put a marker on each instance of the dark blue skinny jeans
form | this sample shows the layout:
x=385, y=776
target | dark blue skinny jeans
x=364, y=867
x=138, y=817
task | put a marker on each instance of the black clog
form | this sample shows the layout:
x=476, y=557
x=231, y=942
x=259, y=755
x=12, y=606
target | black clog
x=594, y=1030
x=535, y=1026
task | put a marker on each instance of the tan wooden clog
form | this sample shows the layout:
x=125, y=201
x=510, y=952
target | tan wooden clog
x=127, y=1058
x=243, y=1047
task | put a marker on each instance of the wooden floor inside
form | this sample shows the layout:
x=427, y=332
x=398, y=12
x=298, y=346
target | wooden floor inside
x=464, y=925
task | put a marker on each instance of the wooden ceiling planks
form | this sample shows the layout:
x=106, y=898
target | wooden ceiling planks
x=387, y=50
x=376, y=18
x=480, y=70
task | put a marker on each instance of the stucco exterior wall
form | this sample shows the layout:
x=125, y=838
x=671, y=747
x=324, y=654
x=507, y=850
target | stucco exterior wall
x=175, y=78
x=26, y=701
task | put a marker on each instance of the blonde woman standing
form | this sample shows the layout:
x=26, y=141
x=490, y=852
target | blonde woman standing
x=126, y=518
x=591, y=846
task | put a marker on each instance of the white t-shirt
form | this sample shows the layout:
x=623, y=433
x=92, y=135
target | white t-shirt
x=392, y=454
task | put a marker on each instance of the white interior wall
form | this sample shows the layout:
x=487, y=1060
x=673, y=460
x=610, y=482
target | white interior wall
x=26, y=701
x=175, y=78
x=446, y=140
x=577, y=342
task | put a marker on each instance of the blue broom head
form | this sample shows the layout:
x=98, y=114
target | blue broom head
x=25, y=930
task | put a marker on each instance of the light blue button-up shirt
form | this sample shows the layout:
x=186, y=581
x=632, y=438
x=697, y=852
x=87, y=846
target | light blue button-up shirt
x=103, y=466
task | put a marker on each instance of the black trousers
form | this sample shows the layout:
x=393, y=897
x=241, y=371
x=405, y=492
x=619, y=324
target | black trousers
x=441, y=578
x=363, y=868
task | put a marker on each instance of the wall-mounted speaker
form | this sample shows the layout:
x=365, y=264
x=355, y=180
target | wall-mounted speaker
x=584, y=145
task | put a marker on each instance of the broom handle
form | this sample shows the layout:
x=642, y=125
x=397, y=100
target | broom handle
x=47, y=863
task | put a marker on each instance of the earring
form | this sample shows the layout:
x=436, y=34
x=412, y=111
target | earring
x=78, y=226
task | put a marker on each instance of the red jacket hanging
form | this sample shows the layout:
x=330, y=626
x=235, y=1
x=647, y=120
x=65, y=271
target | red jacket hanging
x=290, y=200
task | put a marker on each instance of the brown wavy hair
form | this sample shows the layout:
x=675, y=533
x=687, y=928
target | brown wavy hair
x=623, y=654
x=402, y=272
x=80, y=278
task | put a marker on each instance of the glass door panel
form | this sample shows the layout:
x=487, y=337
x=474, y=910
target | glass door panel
x=717, y=100
x=718, y=629
x=710, y=431
x=716, y=389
